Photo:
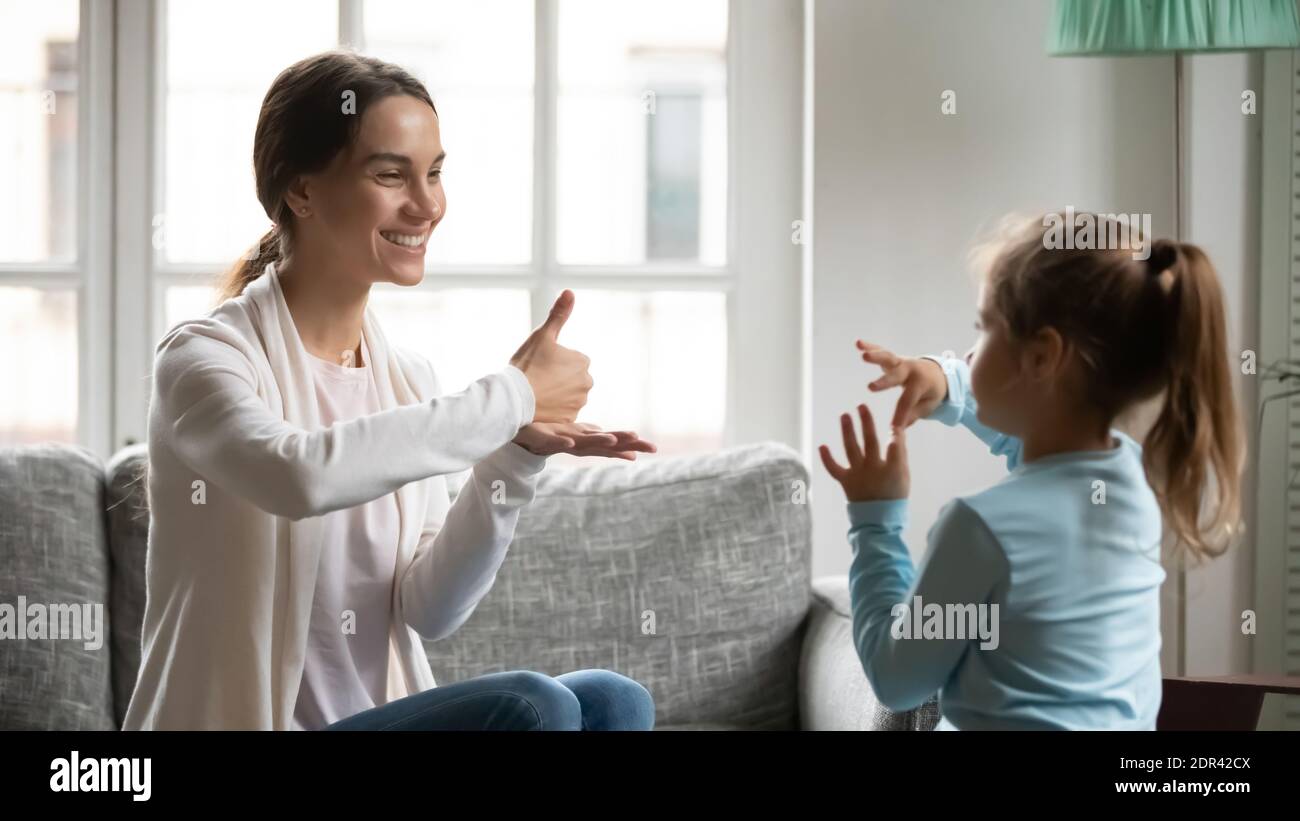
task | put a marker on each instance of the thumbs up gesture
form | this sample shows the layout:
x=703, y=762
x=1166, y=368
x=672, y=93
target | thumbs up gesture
x=558, y=375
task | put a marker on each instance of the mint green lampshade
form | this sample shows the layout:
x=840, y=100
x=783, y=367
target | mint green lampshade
x=1113, y=27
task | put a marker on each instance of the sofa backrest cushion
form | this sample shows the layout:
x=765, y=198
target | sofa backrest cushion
x=54, y=582
x=691, y=575
x=128, y=542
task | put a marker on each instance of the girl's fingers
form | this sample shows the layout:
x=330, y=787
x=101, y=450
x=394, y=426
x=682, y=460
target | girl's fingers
x=832, y=467
x=879, y=356
x=869, y=442
x=903, y=410
x=889, y=379
x=851, y=449
x=897, y=447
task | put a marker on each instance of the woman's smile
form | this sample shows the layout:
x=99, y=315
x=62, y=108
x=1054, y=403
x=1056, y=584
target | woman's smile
x=409, y=243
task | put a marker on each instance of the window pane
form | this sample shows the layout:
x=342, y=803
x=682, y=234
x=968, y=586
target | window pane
x=466, y=334
x=659, y=363
x=38, y=138
x=477, y=61
x=221, y=60
x=39, y=400
x=187, y=302
x=642, y=131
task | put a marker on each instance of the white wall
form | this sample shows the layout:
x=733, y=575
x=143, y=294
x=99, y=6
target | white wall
x=899, y=191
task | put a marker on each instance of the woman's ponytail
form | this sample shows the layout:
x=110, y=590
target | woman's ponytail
x=1198, y=425
x=270, y=248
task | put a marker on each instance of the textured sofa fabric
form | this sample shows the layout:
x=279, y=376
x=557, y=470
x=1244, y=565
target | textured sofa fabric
x=52, y=552
x=128, y=539
x=713, y=548
x=689, y=574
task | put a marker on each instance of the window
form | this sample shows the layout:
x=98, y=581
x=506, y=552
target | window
x=634, y=171
x=591, y=145
x=38, y=221
x=51, y=265
x=209, y=213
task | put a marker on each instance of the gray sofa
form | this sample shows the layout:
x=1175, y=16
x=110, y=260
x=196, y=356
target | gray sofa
x=691, y=575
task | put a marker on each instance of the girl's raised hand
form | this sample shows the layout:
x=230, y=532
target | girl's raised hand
x=924, y=384
x=869, y=477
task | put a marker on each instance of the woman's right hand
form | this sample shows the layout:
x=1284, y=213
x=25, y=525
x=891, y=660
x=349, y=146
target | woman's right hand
x=558, y=375
x=925, y=386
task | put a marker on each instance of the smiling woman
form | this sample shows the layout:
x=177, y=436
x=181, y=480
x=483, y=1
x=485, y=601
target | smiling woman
x=286, y=402
x=323, y=167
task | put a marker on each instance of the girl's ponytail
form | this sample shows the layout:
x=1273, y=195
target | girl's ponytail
x=1198, y=427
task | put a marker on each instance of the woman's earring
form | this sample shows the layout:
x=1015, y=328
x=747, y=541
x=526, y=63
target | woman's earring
x=302, y=212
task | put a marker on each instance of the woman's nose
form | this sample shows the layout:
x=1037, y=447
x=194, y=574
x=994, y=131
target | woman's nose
x=424, y=204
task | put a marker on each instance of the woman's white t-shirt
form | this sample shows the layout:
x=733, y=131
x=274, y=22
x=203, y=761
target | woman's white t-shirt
x=346, y=665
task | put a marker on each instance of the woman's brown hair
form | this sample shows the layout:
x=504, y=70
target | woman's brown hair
x=1139, y=326
x=311, y=112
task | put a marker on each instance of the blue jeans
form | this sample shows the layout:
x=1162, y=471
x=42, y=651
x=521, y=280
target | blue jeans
x=517, y=700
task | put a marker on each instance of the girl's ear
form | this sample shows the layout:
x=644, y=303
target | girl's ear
x=1046, y=355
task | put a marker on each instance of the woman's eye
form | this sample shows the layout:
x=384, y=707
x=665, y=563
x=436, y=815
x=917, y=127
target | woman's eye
x=435, y=173
x=390, y=175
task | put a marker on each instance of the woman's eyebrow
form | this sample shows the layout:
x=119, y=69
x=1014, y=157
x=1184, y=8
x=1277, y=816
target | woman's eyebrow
x=400, y=159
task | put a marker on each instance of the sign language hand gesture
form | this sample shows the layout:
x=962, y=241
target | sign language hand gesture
x=869, y=477
x=558, y=375
x=924, y=384
x=560, y=382
x=580, y=439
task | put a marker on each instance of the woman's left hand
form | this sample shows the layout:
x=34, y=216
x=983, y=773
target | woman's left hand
x=868, y=477
x=581, y=439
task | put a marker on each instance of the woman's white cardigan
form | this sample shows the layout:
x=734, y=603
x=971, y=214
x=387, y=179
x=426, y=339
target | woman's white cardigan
x=239, y=474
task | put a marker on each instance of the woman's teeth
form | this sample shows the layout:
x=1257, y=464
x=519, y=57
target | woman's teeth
x=409, y=240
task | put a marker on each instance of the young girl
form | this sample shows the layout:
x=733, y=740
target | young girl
x=1063, y=555
x=302, y=541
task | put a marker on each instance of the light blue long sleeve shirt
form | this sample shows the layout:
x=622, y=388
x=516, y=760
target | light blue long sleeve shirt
x=1066, y=547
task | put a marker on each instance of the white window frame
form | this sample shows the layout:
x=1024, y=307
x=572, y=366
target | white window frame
x=760, y=280
x=89, y=274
